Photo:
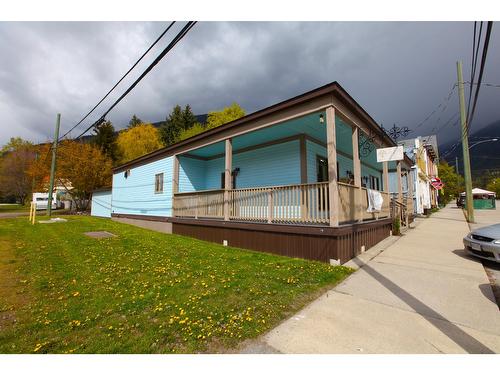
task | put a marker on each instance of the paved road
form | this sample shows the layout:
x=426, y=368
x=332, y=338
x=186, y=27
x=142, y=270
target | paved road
x=422, y=294
x=484, y=218
x=7, y=215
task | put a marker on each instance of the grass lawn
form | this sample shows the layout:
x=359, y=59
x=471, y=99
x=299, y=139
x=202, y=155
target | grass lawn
x=13, y=208
x=142, y=291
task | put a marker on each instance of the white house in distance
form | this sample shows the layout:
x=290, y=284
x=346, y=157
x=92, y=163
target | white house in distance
x=423, y=151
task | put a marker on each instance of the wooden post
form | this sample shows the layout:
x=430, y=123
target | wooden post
x=227, y=176
x=410, y=191
x=175, y=174
x=303, y=176
x=385, y=173
x=175, y=181
x=34, y=214
x=331, y=149
x=400, y=185
x=358, y=209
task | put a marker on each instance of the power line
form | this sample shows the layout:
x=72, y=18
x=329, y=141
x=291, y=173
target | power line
x=121, y=79
x=475, y=54
x=171, y=45
x=481, y=71
x=443, y=105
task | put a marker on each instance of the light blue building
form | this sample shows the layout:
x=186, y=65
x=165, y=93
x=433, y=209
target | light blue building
x=291, y=179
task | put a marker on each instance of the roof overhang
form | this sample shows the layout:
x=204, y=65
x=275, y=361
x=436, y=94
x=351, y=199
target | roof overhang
x=331, y=92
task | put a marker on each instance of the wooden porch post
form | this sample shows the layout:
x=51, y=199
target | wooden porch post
x=385, y=173
x=227, y=176
x=400, y=185
x=175, y=174
x=331, y=149
x=358, y=214
x=303, y=177
x=175, y=181
x=410, y=184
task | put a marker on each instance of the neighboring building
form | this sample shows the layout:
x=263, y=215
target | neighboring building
x=423, y=151
x=290, y=179
x=101, y=202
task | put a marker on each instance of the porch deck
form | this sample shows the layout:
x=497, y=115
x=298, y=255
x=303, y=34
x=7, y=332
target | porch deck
x=301, y=204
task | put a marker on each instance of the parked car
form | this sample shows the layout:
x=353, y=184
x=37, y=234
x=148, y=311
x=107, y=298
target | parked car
x=484, y=243
x=42, y=200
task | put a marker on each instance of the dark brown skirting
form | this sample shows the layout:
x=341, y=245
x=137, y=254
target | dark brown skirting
x=142, y=217
x=299, y=241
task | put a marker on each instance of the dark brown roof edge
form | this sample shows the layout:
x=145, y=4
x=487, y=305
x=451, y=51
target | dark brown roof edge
x=328, y=88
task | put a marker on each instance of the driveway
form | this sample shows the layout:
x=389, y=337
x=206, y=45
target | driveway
x=8, y=215
x=422, y=294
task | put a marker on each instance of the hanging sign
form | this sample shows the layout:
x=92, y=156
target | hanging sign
x=437, y=183
x=390, y=154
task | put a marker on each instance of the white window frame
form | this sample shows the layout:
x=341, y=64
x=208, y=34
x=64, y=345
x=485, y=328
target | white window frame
x=159, y=183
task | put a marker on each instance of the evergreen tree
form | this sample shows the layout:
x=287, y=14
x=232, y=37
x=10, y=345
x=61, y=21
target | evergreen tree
x=105, y=139
x=134, y=121
x=177, y=121
x=188, y=117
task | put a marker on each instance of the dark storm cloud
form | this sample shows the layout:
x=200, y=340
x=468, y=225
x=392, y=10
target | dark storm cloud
x=399, y=72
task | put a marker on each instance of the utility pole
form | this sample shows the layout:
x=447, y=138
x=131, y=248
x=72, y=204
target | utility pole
x=53, y=165
x=465, y=146
x=456, y=164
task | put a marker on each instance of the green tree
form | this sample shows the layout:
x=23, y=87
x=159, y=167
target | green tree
x=228, y=114
x=214, y=119
x=137, y=141
x=15, y=143
x=453, y=183
x=177, y=121
x=105, y=139
x=134, y=121
x=494, y=185
x=192, y=131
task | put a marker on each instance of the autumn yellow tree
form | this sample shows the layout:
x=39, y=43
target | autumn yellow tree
x=81, y=168
x=16, y=158
x=137, y=141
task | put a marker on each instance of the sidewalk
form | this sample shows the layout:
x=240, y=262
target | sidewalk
x=420, y=295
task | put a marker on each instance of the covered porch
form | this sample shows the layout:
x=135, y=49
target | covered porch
x=312, y=170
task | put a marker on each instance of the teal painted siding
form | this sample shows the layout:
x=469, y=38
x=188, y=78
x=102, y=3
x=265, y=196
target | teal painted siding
x=191, y=174
x=214, y=168
x=268, y=166
x=313, y=150
x=101, y=204
x=369, y=164
x=274, y=165
x=136, y=194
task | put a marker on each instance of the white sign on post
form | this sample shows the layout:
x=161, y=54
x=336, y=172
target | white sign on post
x=390, y=154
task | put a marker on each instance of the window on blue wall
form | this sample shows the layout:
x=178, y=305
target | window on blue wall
x=233, y=179
x=322, y=169
x=159, y=183
x=374, y=183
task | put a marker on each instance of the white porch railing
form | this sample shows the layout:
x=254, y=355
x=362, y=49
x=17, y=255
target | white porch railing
x=293, y=204
x=208, y=204
x=304, y=203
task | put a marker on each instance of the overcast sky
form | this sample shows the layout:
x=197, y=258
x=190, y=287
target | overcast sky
x=399, y=72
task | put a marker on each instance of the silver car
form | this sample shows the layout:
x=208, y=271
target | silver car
x=484, y=243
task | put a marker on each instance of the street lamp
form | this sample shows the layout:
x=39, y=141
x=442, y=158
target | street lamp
x=487, y=140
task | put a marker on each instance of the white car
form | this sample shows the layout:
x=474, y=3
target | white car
x=484, y=243
x=42, y=200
